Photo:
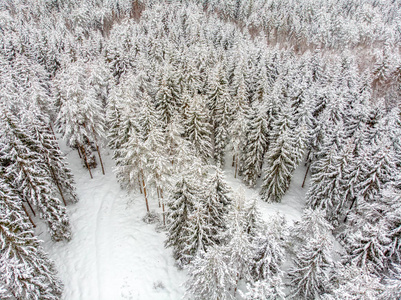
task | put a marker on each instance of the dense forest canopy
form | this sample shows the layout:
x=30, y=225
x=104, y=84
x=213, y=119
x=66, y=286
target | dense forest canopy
x=180, y=89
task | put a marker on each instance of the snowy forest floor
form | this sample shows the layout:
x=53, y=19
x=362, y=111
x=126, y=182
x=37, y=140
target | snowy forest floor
x=114, y=254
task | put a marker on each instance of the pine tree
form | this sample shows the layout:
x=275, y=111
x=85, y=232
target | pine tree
x=393, y=284
x=210, y=276
x=330, y=187
x=167, y=96
x=282, y=158
x=197, y=128
x=268, y=257
x=352, y=282
x=309, y=277
x=25, y=270
x=216, y=204
x=52, y=156
x=25, y=170
x=255, y=147
x=181, y=206
x=219, y=104
x=368, y=247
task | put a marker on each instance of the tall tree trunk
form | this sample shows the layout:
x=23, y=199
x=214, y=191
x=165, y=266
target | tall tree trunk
x=51, y=129
x=31, y=208
x=236, y=167
x=140, y=184
x=164, y=214
x=98, y=150
x=306, y=173
x=85, y=159
x=233, y=163
x=144, y=191
x=158, y=195
x=100, y=157
x=57, y=183
x=79, y=152
x=29, y=217
x=349, y=210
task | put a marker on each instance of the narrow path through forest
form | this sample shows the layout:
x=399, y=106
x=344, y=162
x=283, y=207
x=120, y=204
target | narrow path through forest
x=113, y=254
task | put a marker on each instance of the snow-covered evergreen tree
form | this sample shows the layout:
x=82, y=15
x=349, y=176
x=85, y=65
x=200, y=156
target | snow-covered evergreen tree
x=255, y=147
x=211, y=276
x=197, y=128
x=25, y=270
x=309, y=276
x=26, y=171
x=282, y=158
x=182, y=205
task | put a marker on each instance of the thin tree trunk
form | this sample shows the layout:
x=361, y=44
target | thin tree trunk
x=98, y=150
x=144, y=191
x=158, y=195
x=86, y=160
x=100, y=157
x=51, y=129
x=306, y=173
x=164, y=215
x=29, y=217
x=233, y=160
x=140, y=184
x=352, y=205
x=58, y=185
x=31, y=208
x=79, y=152
x=236, y=167
x=236, y=284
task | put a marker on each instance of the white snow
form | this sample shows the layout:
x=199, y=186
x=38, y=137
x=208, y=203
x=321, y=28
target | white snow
x=115, y=255
x=291, y=205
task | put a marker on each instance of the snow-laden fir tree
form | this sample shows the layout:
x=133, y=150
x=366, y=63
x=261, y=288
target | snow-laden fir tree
x=309, y=276
x=352, y=282
x=52, y=156
x=312, y=245
x=392, y=219
x=393, y=283
x=25, y=170
x=25, y=270
x=219, y=100
x=243, y=223
x=268, y=256
x=182, y=205
x=167, y=95
x=368, y=246
x=198, y=128
x=282, y=158
x=216, y=203
x=330, y=187
x=255, y=146
x=211, y=276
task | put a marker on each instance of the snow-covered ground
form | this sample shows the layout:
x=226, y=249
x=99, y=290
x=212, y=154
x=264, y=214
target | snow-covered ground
x=115, y=255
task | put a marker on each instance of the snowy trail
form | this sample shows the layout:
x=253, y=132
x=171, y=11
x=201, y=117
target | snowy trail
x=113, y=254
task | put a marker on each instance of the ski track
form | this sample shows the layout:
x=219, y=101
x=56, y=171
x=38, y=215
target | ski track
x=113, y=254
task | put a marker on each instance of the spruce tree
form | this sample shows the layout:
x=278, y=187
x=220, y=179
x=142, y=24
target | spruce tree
x=26, y=271
x=210, y=275
x=25, y=170
x=282, y=158
x=309, y=276
x=255, y=147
x=182, y=205
x=197, y=128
